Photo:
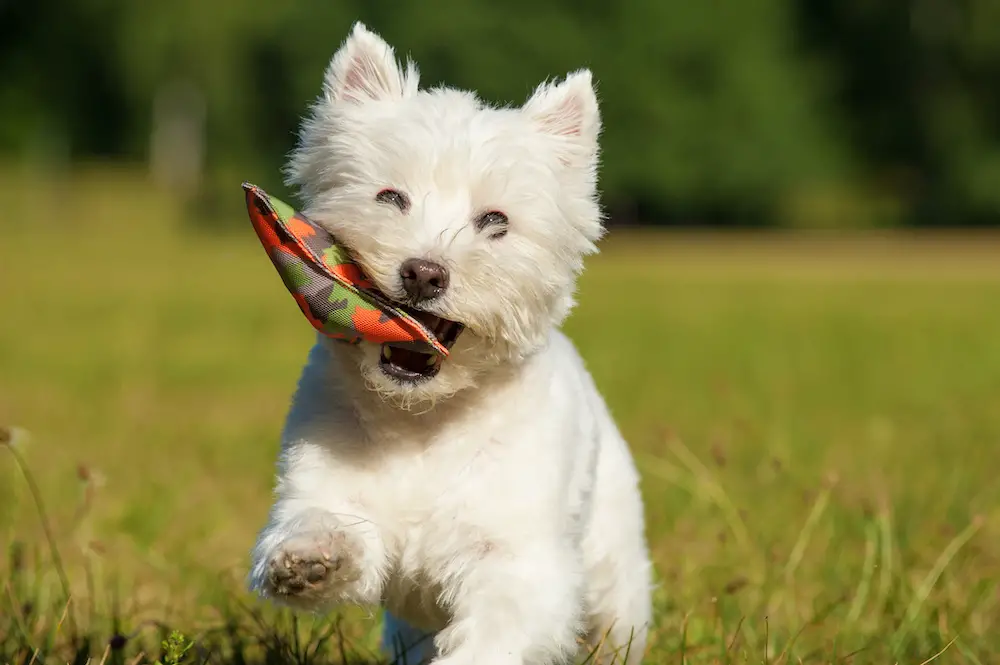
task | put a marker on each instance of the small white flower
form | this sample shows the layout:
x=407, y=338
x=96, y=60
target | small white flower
x=15, y=437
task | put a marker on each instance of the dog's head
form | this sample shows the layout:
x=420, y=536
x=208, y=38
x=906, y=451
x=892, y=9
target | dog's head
x=477, y=216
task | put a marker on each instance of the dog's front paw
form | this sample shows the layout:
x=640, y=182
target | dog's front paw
x=313, y=568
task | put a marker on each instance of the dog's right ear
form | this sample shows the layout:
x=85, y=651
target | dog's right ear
x=568, y=111
x=365, y=69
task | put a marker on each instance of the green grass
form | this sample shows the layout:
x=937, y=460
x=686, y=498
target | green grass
x=817, y=421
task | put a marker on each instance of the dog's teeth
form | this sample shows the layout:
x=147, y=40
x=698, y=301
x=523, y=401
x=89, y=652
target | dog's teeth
x=432, y=361
x=386, y=352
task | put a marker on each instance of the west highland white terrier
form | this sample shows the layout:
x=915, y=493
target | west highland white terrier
x=487, y=501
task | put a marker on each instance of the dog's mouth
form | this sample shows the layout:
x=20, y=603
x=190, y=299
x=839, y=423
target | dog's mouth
x=406, y=364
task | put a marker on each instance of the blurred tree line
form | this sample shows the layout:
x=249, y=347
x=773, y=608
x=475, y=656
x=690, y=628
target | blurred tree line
x=755, y=112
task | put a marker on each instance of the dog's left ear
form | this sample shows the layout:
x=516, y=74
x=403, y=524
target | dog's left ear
x=568, y=111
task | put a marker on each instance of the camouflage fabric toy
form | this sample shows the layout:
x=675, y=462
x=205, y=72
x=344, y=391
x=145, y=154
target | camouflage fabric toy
x=330, y=289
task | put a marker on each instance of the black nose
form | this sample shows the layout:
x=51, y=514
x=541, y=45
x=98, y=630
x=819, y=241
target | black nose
x=423, y=280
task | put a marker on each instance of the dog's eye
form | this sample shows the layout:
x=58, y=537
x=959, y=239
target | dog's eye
x=493, y=221
x=392, y=197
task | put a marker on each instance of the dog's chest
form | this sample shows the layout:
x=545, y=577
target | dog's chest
x=431, y=509
x=420, y=472
x=419, y=494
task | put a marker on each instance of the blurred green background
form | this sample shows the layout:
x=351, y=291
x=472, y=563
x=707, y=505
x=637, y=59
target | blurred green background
x=801, y=113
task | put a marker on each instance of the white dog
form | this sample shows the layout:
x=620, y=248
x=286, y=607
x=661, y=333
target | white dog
x=487, y=501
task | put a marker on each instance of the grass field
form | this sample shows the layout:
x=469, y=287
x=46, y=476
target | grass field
x=817, y=421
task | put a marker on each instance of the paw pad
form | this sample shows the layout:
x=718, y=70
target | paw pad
x=307, y=566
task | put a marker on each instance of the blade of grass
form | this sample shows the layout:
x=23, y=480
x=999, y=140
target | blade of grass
x=36, y=496
x=927, y=585
x=867, y=573
x=938, y=654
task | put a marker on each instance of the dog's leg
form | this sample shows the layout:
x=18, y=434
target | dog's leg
x=311, y=558
x=618, y=596
x=620, y=619
x=518, y=606
x=618, y=570
x=320, y=546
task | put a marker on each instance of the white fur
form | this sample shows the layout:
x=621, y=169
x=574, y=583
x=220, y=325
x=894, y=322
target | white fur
x=494, y=508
